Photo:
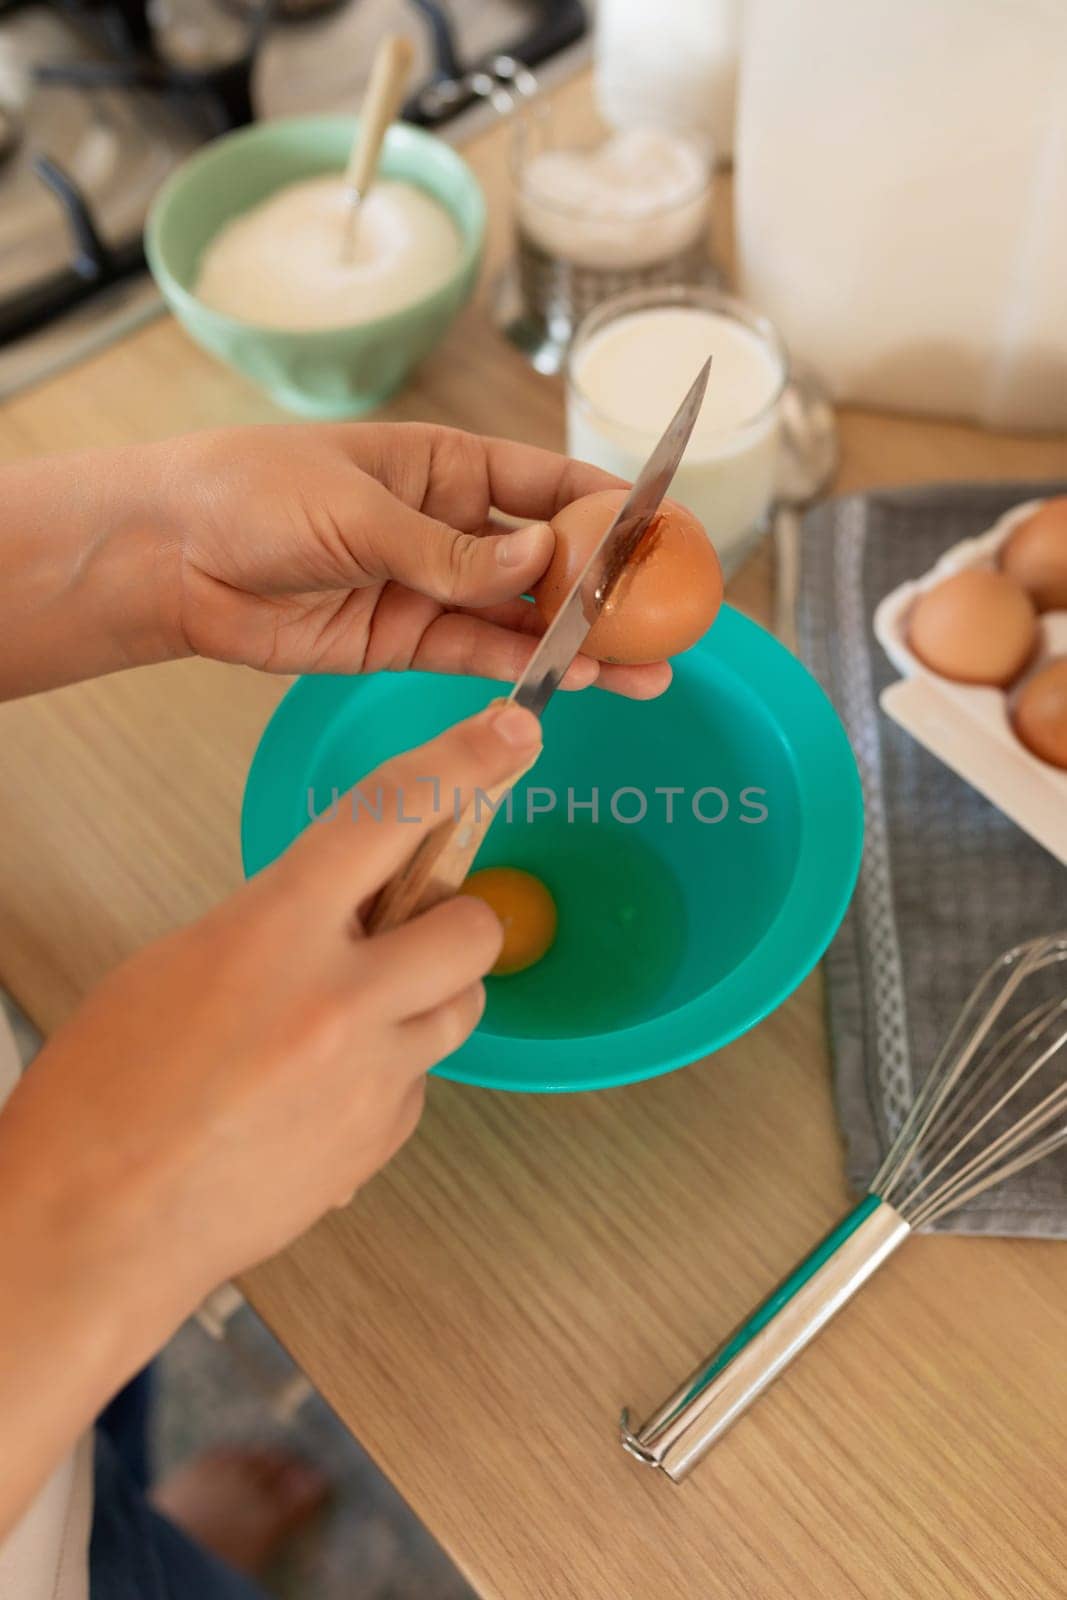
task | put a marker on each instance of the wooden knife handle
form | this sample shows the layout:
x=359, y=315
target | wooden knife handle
x=439, y=865
x=441, y=862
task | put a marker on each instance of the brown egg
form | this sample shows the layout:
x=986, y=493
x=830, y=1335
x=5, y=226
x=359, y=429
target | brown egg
x=976, y=627
x=667, y=597
x=1040, y=713
x=1035, y=555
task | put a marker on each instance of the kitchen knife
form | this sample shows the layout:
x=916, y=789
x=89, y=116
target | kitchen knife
x=444, y=857
x=567, y=632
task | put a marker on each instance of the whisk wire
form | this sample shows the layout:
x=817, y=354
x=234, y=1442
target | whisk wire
x=964, y=1106
x=991, y=1167
x=937, y=1208
x=949, y=1066
x=937, y=1161
x=991, y=1072
x=1017, y=1085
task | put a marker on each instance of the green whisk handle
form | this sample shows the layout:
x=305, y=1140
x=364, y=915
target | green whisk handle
x=686, y=1426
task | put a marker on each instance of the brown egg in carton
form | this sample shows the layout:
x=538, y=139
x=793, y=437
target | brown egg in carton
x=971, y=726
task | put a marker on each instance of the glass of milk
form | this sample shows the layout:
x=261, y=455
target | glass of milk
x=598, y=215
x=629, y=367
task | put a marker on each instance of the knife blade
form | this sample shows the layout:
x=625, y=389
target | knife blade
x=569, y=628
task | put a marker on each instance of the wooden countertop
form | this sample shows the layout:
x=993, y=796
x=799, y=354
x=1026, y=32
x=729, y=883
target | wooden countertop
x=527, y=1265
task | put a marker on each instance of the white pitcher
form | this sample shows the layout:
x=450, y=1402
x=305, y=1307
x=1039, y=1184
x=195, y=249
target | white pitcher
x=902, y=199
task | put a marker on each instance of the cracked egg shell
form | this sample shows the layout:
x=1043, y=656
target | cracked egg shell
x=666, y=599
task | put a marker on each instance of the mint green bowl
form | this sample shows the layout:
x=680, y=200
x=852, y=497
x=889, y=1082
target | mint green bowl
x=678, y=930
x=330, y=372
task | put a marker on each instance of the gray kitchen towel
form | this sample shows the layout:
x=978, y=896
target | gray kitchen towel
x=947, y=882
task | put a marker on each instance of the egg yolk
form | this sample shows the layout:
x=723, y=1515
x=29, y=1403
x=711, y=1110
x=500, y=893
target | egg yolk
x=526, y=910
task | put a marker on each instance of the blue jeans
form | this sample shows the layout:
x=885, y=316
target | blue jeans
x=134, y=1553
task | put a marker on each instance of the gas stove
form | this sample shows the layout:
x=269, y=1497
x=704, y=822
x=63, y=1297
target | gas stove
x=101, y=99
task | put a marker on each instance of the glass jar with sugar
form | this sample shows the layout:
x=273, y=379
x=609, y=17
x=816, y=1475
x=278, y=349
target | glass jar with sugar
x=600, y=216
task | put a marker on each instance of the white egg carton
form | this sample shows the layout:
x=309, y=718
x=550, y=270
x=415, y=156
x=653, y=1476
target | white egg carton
x=968, y=726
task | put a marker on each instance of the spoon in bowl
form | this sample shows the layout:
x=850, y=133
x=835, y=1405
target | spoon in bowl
x=388, y=81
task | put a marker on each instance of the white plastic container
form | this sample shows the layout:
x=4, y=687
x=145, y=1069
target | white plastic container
x=968, y=726
x=672, y=65
x=902, y=199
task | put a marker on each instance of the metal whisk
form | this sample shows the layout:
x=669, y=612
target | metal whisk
x=994, y=1102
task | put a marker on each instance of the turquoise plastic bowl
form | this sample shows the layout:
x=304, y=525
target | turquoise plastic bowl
x=329, y=372
x=675, y=936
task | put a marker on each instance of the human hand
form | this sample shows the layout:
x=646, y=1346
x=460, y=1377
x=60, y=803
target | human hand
x=222, y=1089
x=368, y=547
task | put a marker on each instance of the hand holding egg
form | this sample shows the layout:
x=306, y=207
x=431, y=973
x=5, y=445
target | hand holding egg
x=366, y=548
